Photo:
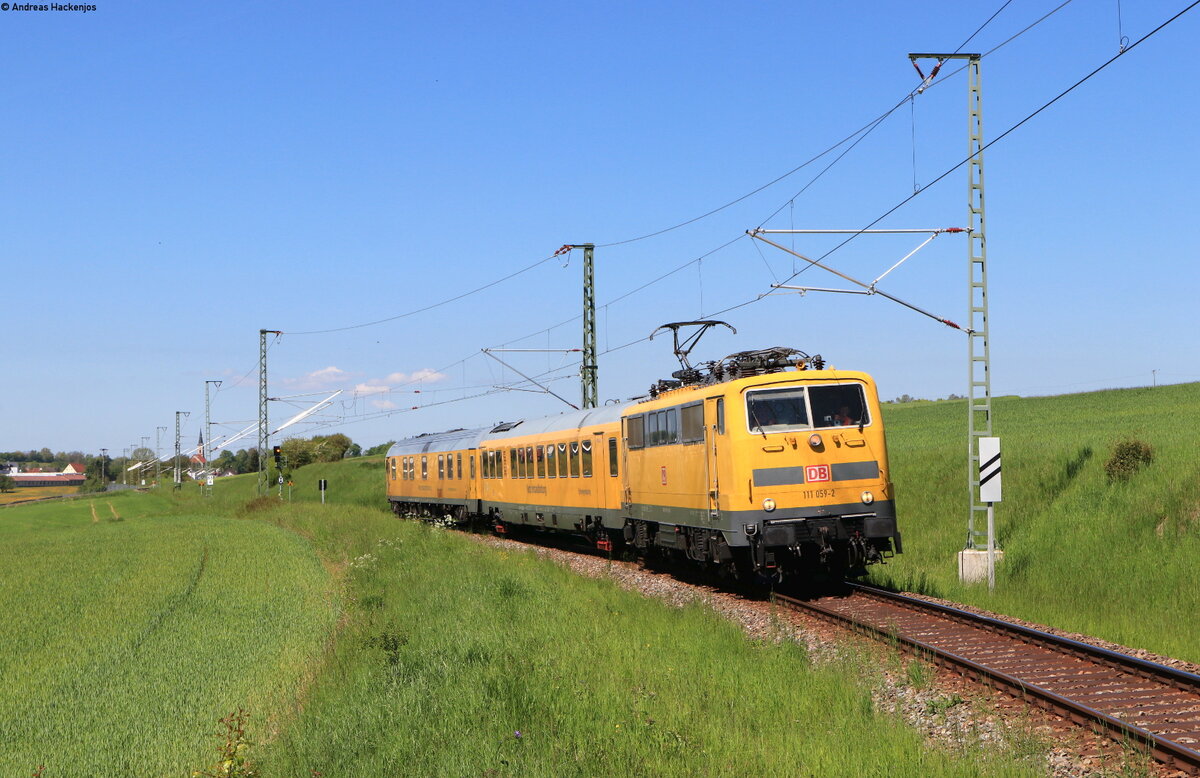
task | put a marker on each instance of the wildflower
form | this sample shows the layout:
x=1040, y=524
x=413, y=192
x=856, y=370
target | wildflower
x=517, y=734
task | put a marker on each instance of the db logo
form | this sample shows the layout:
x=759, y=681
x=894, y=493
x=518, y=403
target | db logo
x=813, y=473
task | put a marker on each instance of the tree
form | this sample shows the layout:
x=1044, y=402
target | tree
x=382, y=448
x=7, y=484
x=355, y=450
x=330, y=448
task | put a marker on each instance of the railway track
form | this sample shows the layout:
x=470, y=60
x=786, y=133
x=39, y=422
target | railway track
x=1129, y=699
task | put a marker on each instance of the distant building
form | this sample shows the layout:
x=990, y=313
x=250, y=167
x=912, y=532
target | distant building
x=75, y=468
x=49, y=479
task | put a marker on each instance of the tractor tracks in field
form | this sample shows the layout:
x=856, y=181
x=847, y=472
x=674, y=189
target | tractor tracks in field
x=174, y=602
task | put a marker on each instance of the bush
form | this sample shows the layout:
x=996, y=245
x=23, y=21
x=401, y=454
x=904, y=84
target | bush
x=1127, y=458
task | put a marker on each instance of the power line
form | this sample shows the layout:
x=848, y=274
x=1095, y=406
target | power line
x=431, y=306
x=997, y=139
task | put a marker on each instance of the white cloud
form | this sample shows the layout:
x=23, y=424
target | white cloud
x=369, y=389
x=398, y=381
x=386, y=405
x=324, y=378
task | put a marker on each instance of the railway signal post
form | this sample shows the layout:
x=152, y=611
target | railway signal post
x=975, y=564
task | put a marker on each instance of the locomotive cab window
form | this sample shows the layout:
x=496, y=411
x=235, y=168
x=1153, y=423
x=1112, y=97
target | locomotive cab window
x=840, y=405
x=777, y=410
x=804, y=408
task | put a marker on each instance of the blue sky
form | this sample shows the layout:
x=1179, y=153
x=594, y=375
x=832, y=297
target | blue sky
x=177, y=176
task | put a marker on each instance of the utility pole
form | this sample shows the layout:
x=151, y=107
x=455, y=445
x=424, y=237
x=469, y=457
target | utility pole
x=979, y=380
x=206, y=448
x=125, y=467
x=104, y=467
x=178, y=465
x=141, y=468
x=158, y=431
x=589, y=369
x=263, y=430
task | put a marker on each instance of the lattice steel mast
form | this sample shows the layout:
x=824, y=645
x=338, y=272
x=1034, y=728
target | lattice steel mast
x=263, y=429
x=979, y=374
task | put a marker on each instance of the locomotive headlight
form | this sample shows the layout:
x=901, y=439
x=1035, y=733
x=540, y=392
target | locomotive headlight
x=814, y=440
x=868, y=498
x=768, y=505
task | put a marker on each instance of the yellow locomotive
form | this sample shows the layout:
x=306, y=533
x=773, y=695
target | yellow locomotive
x=766, y=461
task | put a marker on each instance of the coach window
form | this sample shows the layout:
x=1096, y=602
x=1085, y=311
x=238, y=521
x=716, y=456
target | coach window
x=472, y=467
x=459, y=470
x=612, y=457
x=529, y=461
x=449, y=467
x=635, y=431
x=574, y=459
x=393, y=461
x=441, y=467
x=562, y=460
x=541, y=461
x=551, y=462
x=692, y=423
x=424, y=468
x=513, y=470
x=586, y=458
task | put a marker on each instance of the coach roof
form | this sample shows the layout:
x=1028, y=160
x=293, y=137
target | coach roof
x=570, y=421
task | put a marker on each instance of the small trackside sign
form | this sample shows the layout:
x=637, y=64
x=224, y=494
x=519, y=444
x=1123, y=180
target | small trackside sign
x=816, y=473
x=989, y=469
x=664, y=475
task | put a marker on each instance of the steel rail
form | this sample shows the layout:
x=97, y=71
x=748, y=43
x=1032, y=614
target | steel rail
x=1163, y=749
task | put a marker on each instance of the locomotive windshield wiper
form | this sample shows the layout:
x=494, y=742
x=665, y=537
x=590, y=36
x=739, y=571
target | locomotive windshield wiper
x=754, y=418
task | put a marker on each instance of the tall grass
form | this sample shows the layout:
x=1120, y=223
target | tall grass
x=1115, y=559
x=458, y=659
x=134, y=628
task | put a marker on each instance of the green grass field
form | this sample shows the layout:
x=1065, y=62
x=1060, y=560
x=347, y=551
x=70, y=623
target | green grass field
x=1118, y=560
x=127, y=639
x=367, y=646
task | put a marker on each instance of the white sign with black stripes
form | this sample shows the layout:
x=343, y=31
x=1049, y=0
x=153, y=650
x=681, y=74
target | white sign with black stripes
x=989, y=469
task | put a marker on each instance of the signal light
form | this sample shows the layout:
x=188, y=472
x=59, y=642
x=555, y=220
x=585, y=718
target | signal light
x=278, y=453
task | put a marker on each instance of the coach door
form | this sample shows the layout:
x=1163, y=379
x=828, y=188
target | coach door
x=714, y=436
